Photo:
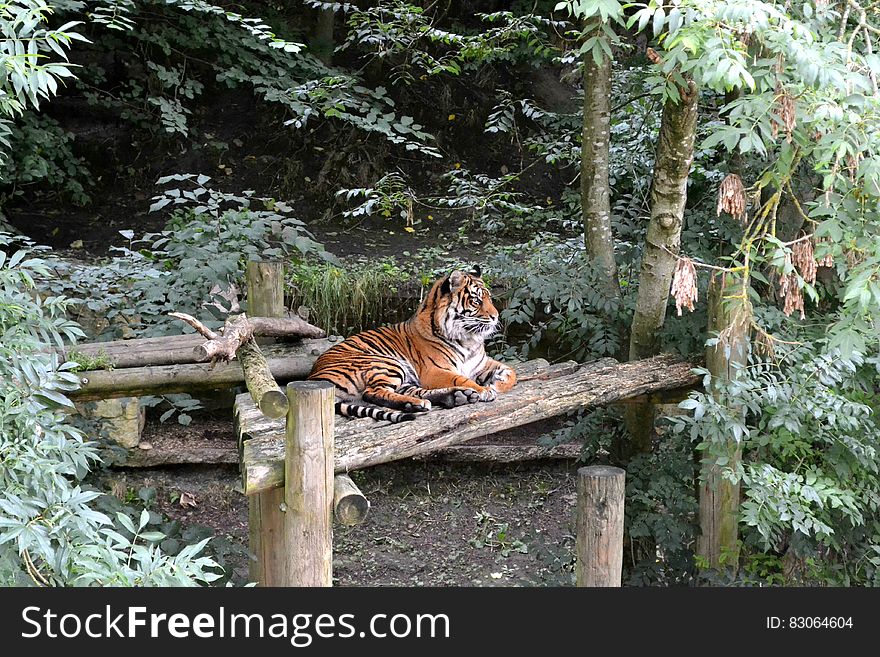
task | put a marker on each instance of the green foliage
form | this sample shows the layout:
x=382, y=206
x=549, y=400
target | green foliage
x=50, y=533
x=661, y=515
x=556, y=302
x=808, y=430
x=196, y=265
x=41, y=155
x=388, y=195
x=85, y=362
x=165, y=35
x=491, y=205
x=26, y=44
x=347, y=299
x=416, y=47
x=178, y=536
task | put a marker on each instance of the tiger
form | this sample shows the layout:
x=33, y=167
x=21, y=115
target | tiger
x=435, y=358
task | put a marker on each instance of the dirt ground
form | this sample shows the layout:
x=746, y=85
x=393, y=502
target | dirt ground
x=431, y=523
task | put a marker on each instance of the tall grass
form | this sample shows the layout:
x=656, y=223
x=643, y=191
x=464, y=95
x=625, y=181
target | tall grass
x=349, y=299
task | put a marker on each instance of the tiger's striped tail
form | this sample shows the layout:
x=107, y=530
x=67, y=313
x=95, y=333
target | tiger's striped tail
x=380, y=414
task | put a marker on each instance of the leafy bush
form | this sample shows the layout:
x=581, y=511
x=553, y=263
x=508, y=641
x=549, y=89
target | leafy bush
x=50, y=533
x=41, y=154
x=810, y=472
x=555, y=301
x=196, y=265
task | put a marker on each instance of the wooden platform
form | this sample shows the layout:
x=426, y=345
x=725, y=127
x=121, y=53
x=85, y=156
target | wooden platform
x=286, y=362
x=544, y=391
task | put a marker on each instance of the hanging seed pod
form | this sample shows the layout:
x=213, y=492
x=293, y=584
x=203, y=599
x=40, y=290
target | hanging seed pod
x=789, y=291
x=785, y=112
x=793, y=297
x=764, y=344
x=732, y=197
x=804, y=260
x=852, y=165
x=827, y=260
x=684, y=285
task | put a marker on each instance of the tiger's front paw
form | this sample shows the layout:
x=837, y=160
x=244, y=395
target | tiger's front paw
x=452, y=397
x=488, y=395
x=422, y=406
x=503, y=379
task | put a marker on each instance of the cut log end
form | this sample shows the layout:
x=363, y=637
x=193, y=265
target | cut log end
x=350, y=505
x=600, y=472
x=273, y=403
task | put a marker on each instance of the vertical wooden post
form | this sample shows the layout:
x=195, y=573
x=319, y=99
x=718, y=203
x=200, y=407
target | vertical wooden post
x=265, y=283
x=308, y=485
x=718, y=544
x=600, y=525
x=265, y=298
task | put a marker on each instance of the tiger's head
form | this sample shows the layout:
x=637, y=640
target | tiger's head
x=460, y=307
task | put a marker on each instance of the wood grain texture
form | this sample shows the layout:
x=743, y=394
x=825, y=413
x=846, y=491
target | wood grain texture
x=266, y=517
x=600, y=509
x=308, y=488
x=266, y=538
x=264, y=390
x=286, y=362
x=350, y=505
x=362, y=443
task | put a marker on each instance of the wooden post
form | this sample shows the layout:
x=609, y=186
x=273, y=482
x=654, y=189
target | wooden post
x=600, y=525
x=265, y=289
x=308, y=485
x=350, y=505
x=265, y=297
x=718, y=544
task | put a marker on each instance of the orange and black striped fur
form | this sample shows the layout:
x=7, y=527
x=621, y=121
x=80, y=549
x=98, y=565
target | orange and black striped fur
x=434, y=358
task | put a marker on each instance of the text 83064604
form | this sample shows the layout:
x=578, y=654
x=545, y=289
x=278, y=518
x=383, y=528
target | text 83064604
x=809, y=623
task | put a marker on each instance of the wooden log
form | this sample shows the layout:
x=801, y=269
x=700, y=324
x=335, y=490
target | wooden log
x=350, y=505
x=718, y=543
x=265, y=516
x=363, y=443
x=236, y=332
x=286, y=362
x=157, y=457
x=179, y=349
x=250, y=423
x=285, y=327
x=266, y=538
x=599, y=542
x=504, y=453
x=308, y=490
x=265, y=392
x=265, y=288
x=166, y=350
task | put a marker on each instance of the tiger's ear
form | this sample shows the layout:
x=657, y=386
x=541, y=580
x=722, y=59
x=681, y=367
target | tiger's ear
x=476, y=271
x=453, y=282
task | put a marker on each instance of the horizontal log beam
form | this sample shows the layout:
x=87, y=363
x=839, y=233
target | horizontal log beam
x=504, y=453
x=286, y=362
x=180, y=349
x=158, y=457
x=251, y=423
x=363, y=443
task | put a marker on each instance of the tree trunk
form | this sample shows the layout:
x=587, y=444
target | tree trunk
x=595, y=192
x=321, y=43
x=675, y=152
x=719, y=499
